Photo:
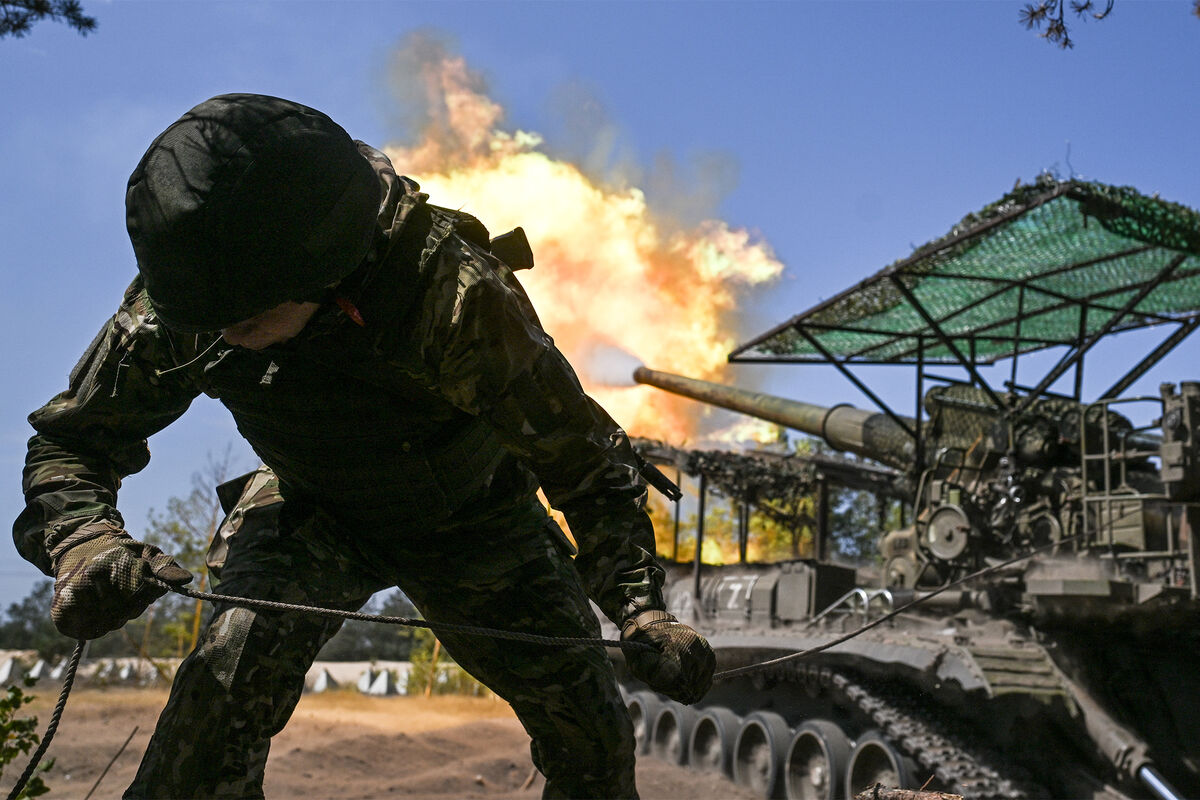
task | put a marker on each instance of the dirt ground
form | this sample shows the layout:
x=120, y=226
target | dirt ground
x=342, y=745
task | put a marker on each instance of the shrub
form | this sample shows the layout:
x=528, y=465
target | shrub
x=18, y=736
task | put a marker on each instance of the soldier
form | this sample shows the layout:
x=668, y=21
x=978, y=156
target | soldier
x=394, y=378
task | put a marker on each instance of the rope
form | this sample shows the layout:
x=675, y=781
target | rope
x=68, y=680
x=411, y=622
x=732, y=673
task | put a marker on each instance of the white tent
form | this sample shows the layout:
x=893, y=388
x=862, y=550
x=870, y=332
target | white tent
x=383, y=685
x=324, y=682
x=10, y=672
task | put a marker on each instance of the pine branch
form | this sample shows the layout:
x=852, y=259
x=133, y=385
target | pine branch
x=18, y=16
x=1050, y=17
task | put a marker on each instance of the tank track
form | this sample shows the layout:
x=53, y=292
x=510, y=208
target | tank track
x=937, y=746
x=975, y=774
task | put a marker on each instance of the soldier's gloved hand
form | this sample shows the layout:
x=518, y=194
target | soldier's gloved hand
x=681, y=663
x=102, y=580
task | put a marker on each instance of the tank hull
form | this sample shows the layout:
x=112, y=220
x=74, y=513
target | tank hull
x=957, y=697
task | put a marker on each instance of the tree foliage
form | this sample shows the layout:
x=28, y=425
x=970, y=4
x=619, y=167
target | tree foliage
x=856, y=524
x=26, y=625
x=450, y=677
x=184, y=532
x=187, y=526
x=1050, y=18
x=18, y=16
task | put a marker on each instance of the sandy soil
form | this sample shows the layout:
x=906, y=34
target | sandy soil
x=342, y=745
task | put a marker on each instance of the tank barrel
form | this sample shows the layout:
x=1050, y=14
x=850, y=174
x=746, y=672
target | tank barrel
x=843, y=427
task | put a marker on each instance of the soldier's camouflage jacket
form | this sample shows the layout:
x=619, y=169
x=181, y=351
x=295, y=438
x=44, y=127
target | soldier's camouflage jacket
x=447, y=404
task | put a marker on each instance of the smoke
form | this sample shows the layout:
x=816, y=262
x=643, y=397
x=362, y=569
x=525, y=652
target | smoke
x=442, y=106
x=590, y=138
x=605, y=364
x=682, y=191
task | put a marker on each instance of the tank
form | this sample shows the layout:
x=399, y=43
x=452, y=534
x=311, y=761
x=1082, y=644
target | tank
x=1073, y=673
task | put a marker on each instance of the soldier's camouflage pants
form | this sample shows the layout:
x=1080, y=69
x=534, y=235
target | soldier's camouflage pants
x=240, y=685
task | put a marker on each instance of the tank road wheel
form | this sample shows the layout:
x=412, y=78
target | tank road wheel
x=711, y=745
x=816, y=762
x=873, y=761
x=672, y=729
x=758, y=755
x=643, y=709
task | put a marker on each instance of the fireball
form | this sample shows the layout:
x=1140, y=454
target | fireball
x=610, y=272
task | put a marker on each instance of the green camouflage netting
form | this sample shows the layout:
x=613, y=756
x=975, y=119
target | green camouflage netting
x=1047, y=263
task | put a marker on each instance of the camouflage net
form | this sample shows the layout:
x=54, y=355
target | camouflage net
x=773, y=483
x=1044, y=264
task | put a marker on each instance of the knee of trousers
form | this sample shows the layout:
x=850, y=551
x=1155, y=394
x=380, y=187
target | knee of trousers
x=578, y=732
x=275, y=648
x=225, y=641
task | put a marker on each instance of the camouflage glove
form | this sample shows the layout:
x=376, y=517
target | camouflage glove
x=680, y=665
x=102, y=580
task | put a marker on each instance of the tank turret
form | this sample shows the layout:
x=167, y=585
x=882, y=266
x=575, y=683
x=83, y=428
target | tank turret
x=988, y=481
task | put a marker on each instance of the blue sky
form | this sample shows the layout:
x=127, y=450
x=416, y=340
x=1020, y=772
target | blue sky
x=843, y=133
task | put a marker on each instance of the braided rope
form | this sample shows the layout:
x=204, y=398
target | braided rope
x=411, y=622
